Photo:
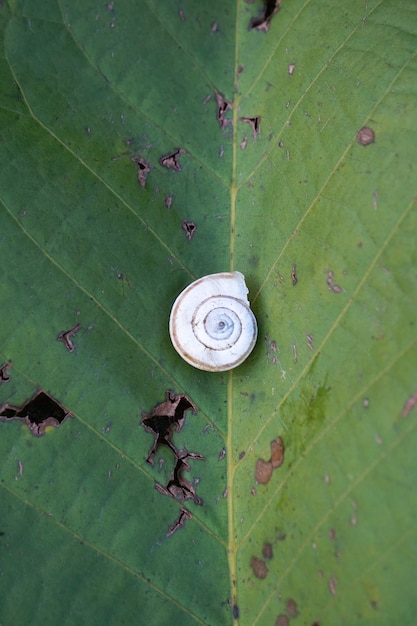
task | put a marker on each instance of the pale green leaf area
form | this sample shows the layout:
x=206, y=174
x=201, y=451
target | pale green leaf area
x=84, y=87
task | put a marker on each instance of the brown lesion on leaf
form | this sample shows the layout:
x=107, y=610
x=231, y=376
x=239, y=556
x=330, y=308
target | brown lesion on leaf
x=65, y=337
x=4, y=376
x=144, y=167
x=409, y=405
x=165, y=418
x=183, y=516
x=264, y=469
x=254, y=123
x=178, y=487
x=189, y=228
x=365, y=136
x=267, y=551
x=172, y=160
x=271, y=7
x=39, y=412
x=259, y=567
x=223, y=106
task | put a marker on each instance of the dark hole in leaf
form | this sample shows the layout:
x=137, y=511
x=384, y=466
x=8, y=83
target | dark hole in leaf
x=65, y=337
x=172, y=160
x=164, y=418
x=271, y=7
x=235, y=611
x=4, y=377
x=223, y=106
x=178, y=487
x=189, y=228
x=40, y=411
x=144, y=167
x=254, y=122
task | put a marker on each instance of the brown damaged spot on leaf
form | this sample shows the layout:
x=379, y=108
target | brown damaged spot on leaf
x=365, y=136
x=172, y=160
x=292, y=607
x=168, y=200
x=4, y=377
x=223, y=106
x=267, y=551
x=183, y=516
x=164, y=418
x=282, y=620
x=277, y=452
x=189, y=228
x=39, y=412
x=254, y=122
x=271, y=7
x=178, y=487
x=259, y=567
x=264, y=469
x=65, y=337
x=409, y=405
x=144, y=167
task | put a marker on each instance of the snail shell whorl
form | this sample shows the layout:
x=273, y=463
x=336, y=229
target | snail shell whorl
x=211, y=324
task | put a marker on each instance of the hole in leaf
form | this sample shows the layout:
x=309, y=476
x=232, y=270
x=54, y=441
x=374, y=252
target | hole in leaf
x=144, y=167
x=189, y=228
x=223, y=106
x=4, y=376
x=172, y=160
x=271, y=7
x=254, y=122
x=39, y=412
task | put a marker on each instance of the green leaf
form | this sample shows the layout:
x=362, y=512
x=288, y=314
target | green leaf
x=86, y=86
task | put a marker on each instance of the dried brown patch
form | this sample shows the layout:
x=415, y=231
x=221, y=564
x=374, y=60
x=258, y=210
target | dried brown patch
x=223, y=106
x=292, y=607
x=168, y=200
x=282, y=620
x=365, y=136
x=263, y=471
x=277, y=452
x=144, y=167
x=259, y=567
x=182, y=518
x=409, y=405
x=271, y=7
x=267, y=551
x=39, y=412
x=172, y=160
x=65, y=337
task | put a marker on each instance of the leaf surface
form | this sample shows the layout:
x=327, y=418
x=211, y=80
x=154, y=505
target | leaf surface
x=323, y=229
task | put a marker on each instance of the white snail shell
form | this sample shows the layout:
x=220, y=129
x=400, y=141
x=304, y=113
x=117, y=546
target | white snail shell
x=211, y=325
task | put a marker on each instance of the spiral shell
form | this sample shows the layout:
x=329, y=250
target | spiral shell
x=211, y=325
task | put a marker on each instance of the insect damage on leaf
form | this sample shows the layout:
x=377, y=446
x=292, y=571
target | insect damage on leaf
x=254, y=122
x=65, y=337
x=144, y=167
x=223, y=106
x=4, y=376
x=271, y=7
x=365, y=136
x=39, y=412
x=172, y=160
x=178, y=487
x=263, y=469
x=164, y=418
x=189, y=228
x=259, y=567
